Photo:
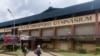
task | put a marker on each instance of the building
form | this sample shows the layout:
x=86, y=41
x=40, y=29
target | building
x=62, y=28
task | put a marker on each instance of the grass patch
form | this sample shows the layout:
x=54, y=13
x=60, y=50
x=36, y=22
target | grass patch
x=18, y=52
x=76, y=54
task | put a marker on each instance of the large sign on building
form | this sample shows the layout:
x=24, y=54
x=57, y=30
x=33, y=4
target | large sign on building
x=62, y=22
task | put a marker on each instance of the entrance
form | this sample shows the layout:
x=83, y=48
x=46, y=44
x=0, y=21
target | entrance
x=45, y=43
x=38, y=42
x=26, y=43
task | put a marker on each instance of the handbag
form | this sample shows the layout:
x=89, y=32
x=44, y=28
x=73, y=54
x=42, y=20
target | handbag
x=35, y=51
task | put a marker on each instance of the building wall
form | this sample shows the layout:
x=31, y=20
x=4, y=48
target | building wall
x=50, y=45
x=8, y=33
x=85, y=29
x=88, y=47
x=35, y=32
x=99, y=26
x=63, y=30
x=70, y=44
x=25, y=32
x=63, y=27
x=47, y=32
x=57, y=44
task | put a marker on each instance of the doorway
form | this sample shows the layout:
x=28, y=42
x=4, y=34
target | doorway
x=38, y=42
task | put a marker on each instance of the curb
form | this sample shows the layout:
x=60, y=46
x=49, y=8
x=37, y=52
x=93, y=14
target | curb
x=54, y=54
x=8, y=54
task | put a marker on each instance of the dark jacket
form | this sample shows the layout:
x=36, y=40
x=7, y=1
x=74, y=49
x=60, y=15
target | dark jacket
x=38, y=50
x=25, y=50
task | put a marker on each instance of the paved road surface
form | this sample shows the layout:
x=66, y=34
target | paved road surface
x=43, y=54
x=31, y=53
x=5, y=55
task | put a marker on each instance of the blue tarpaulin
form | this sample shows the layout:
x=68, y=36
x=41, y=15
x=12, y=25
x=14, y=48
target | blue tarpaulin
x=1, y=37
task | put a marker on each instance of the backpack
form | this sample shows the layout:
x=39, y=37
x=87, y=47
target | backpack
x=37, y=51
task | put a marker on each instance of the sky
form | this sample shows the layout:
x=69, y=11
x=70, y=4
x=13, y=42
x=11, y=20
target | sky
x=24, y=8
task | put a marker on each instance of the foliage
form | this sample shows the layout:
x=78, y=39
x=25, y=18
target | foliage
x=75, y=54
x=82, y=50
x=11, y=47
x=97, y=51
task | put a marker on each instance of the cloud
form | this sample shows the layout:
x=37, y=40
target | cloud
x=24, y=13
x=14, y=6
x=26, y=1
x=83, y=1
x=24, y=8
x=62, y=3
x=3, y=5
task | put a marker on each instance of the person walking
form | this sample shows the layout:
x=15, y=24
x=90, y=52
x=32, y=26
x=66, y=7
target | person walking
x=25, y=50
x=38, y=50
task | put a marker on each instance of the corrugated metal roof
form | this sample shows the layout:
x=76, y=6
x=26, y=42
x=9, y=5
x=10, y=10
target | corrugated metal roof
x=58, y=12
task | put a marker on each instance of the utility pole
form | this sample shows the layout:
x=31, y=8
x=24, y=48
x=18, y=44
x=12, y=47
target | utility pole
x=13, y=27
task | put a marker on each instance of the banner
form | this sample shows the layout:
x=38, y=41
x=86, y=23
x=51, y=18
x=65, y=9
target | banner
x=62, y=22
x=24, y=37
x=10, y=40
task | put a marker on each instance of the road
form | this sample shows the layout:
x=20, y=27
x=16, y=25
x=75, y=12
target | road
x=31, y=53
x=5, y=55
x=43, y=54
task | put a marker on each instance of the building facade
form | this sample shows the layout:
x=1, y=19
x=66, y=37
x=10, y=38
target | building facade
x=62, y=31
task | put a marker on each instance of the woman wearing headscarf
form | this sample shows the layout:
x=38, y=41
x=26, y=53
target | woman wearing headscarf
x=38, y=50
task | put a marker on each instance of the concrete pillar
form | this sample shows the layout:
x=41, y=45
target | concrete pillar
x=54, y=32
x=73, y=27
x=97, y=23
x=72, y=33
x=32, y=44
x=55, y=38
x=40, y=32
x=97, y=29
